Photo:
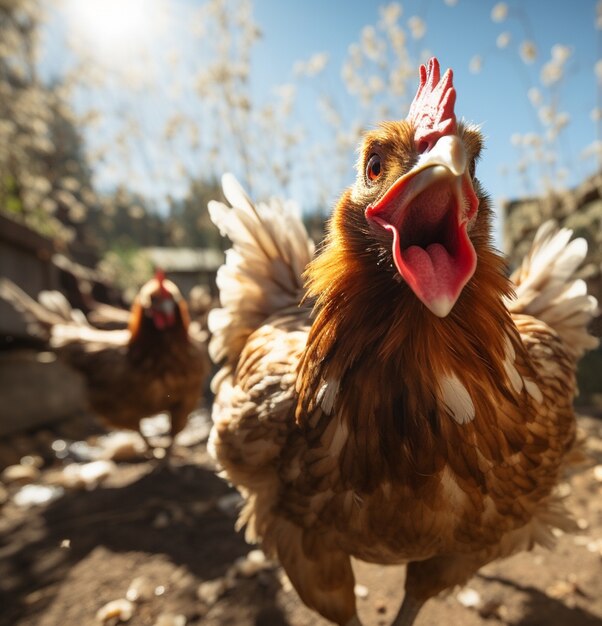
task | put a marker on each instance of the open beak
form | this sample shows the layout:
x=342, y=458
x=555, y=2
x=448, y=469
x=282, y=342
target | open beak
x=164, y=313
x=428, y=211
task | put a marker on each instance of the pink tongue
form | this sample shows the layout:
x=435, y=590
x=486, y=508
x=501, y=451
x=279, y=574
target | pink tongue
x=430, y=270
x=433, y=275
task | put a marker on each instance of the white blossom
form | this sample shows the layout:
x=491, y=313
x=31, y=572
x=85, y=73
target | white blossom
x=561, y=53
x=562, y=120
x=546, y=115
x=551, y=73
x=417, y=27
x=499, y=12
x=390, y=13
x=476, y=64
x=503, y=39
x=528, y=51
x=535, y=96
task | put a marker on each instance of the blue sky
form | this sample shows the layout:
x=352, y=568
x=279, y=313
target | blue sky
x=496, y=97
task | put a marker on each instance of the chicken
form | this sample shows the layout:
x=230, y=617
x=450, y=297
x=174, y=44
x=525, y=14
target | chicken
x=152, y=366
x=396, y=403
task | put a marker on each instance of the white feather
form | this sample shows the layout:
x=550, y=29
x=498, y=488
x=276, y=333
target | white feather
x=263, y=270
x=546, y=287
x=457, y=399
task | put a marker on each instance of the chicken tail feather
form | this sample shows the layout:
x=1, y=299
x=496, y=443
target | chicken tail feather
x=263, y=269
x=547, y=287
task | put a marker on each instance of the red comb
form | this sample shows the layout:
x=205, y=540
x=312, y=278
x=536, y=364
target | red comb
x=432, y=110
x=160, y=277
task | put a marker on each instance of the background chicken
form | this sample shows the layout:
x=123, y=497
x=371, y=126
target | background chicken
x=155, y=365
x=419, y=413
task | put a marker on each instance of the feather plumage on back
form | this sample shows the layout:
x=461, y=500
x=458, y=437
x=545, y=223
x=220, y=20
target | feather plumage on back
x=402, y=406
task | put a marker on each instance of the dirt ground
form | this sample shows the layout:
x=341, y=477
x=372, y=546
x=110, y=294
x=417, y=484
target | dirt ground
x=172, y=528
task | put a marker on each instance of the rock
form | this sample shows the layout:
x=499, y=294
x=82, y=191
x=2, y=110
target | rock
x=210, y=591
x=598, y=473
x=470, y=598
x=21, y=474
x=122, y=446
x=361, y=591
x=86, y=475
x=32, y=495
x=83, y=452
x=169, y=619
x=60, y=449
x=155, y=426
x=197, y=430
x=34, y=460
x=561, y=589
x=249, y=565
x=121, y=609
x=140, y=590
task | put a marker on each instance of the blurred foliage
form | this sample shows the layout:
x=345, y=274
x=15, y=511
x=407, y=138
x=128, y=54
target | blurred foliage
x=188, y=223
x=127, y=267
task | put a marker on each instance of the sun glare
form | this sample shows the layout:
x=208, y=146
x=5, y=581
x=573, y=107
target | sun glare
x=110, y=29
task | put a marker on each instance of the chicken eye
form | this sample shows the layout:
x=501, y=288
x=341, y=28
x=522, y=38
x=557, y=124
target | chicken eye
x=373, y=167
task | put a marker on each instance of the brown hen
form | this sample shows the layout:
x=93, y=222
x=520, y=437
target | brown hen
x=153, y=366
x=410, y=409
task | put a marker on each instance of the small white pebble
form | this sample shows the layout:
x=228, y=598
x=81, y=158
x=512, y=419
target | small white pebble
x=32, y=459
x=210, y=591
x=582, y=523
x=46, y=357
x=169, y=619
x=361, y=591
x=256, y=556
x=122, y=446
x=59, y=445
x=156, y=425
x=598, y=473
x=140, y=590
x=470, y=598
x=159, y=453
x=31, y=495
x=560, y=589
x=86, y=475
x=21, y=473
x=249, y=565
x=121, y=609
x=594, y=546
x=66, y=544
x=159, y=590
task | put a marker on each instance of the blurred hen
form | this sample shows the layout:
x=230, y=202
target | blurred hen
x=400, y=405
x=154, y=365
